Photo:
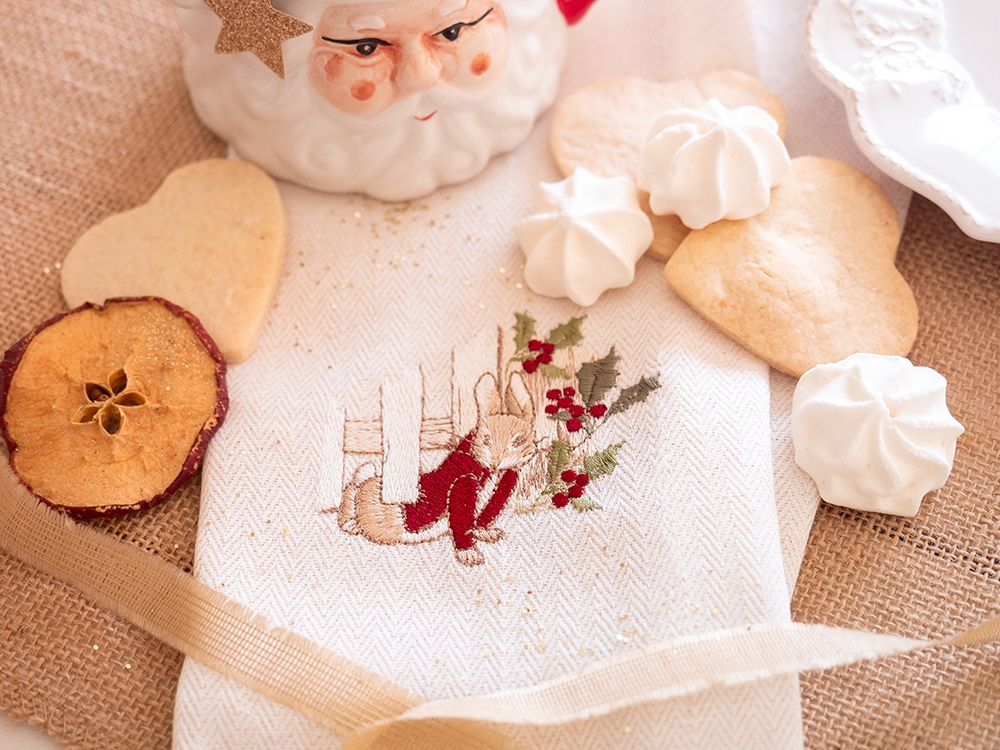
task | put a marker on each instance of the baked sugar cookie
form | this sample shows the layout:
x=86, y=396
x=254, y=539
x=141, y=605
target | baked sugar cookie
x=809, y=281
x=211, y=239
x=603, y=127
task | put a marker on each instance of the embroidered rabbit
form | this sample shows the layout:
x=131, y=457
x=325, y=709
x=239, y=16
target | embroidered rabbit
x=466, y=493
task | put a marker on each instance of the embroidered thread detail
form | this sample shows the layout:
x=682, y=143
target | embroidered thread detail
x=506, y=456
x=579, y=410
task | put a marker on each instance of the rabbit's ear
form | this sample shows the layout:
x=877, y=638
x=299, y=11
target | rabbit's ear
x=518, y=398
x=487, y=396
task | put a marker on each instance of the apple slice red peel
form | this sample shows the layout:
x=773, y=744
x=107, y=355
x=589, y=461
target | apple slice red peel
x=108, y=409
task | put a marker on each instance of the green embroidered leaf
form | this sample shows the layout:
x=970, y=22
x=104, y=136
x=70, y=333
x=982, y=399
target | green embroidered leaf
x=602, y=463
x=635, y=394
x=566, y=335
x=524, y=330
x=585, y=503
x=554, y=373
x=597, y=378
x=560, y=416
x=558, y=459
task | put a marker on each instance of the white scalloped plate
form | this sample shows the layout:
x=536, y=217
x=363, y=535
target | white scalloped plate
x=921, y=81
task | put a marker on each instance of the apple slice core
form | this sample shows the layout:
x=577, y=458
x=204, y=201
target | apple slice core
x=108, y=409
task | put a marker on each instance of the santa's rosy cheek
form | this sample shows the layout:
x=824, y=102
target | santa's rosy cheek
x=362, y=90
x=480, y=64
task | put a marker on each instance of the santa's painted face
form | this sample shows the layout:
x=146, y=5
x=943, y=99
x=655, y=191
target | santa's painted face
x=368, y=56
x=392, y=98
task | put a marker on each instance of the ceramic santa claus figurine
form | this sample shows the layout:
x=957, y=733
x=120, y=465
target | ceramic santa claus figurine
x=392, y=98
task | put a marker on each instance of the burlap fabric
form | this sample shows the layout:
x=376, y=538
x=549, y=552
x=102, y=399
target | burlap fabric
x=94, y=114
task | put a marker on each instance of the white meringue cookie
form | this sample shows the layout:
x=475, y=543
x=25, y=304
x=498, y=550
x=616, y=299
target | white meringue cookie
x=712, y=163
x=585, y=236
x=874, y=432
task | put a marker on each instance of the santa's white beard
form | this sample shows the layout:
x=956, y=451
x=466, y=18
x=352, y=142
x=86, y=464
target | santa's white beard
x=286, y=127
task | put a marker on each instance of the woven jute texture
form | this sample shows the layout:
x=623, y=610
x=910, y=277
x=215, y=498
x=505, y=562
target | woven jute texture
x=94, y=114
x=934, y=574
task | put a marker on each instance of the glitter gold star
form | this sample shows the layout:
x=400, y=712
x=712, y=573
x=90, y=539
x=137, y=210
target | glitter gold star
x=254, y=26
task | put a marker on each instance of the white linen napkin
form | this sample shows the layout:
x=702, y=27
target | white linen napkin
x=388, y=314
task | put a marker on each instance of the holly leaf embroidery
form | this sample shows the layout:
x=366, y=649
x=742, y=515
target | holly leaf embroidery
x=597, y=378
x=635, y=394
x=553, y=373
x=602, y=463
x=558, y=459
x=567, y=334
x=585, y=503
x=524, y=330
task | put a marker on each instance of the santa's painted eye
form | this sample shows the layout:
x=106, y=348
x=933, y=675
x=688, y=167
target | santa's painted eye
x=364, y=47
x=452, y=32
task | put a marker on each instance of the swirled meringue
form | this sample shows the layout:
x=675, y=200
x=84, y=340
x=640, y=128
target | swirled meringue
x=874, y=432
x=712, y=163
x=585, y=236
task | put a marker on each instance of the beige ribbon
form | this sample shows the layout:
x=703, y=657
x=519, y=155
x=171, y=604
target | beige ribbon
x=369, y=711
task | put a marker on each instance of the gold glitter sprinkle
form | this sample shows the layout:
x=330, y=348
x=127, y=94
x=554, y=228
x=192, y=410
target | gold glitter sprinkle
x=698, y=624
x=46, y=270
x=252, y=534
x=626, y=730
x=542, y=646
x=503, y=270
x=526, y=611
x=254, y=26
x=357, y=214
x=482, y=306
x=622, y=618
x=695, y=608
x=489, y=653
x=685, y=589
x=715, y=611
x=440, y=658
x=96, y=647
x=128, y=666
x=58, y=265
x=757, y=581
x=285, y=531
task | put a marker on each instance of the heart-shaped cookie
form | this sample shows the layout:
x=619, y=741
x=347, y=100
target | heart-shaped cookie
x=603, y=128
x=211, y=239
x=811, y=280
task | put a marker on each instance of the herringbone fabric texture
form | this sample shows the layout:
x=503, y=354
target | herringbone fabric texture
x=94, y=115
x=406, y=322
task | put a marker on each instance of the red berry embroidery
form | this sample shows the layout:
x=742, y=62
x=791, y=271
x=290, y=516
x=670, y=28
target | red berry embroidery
x=560, y=499
x=534, y=345
x=530, y=366
x=548, y=348
x=545, y=358
x=568, y=476
x=598, y=410
x=565, y=403
x=551, y=409
x=553, y=395
x=576, y=410
x=576, y=491
x=574, y=425
x=582, y=480
x=569, y=392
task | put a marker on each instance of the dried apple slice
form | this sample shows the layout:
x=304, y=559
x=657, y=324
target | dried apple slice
x=108, y=410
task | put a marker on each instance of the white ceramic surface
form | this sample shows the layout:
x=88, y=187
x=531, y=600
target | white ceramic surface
x=921, y=81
